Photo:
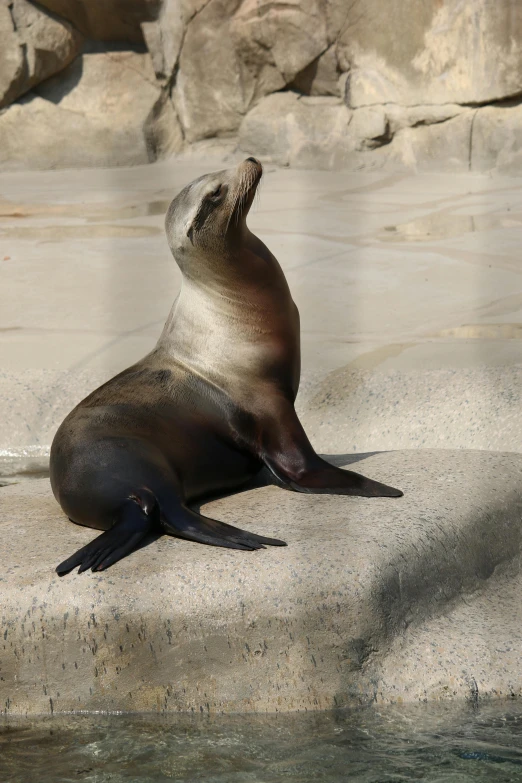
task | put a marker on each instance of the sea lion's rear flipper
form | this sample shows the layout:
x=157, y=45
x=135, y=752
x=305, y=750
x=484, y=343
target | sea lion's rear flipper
x=289, y=455
x=183, y=522
x=135, y=519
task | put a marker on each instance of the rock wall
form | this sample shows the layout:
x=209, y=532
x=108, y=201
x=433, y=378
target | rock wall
x=309, y=83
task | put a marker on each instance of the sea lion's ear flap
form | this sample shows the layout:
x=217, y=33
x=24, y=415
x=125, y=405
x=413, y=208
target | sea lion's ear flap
x=190, y=234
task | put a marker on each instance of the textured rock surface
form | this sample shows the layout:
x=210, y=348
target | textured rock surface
x=105, y=109
x=35, y=45
x=460, y=51
x=11, y=57
x=210, y=93
x=413, y=75
x=371, y=600
x=164, y=37
x=297, y=131
x=443, y=146
x=281, y=39
x=106, y=20
x=358, y=410
x=497, y=139
x=320, y=132
x=234, y=53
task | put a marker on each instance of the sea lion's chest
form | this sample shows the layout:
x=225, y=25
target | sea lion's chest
x=236, y=347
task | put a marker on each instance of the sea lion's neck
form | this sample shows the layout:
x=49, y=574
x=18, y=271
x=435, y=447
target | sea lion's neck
x=242, y=328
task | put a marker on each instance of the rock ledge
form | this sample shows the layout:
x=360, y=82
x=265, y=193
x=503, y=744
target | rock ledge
x=381, y=600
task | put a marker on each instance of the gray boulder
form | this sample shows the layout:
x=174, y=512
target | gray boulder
x=35, y=45
x=11, y=57
x=211, y=94
x=370, y=127
x=497, y=139
x=443, y=146
x=416, y=51
x=234, y=53
x=287, y=37
x=106, y=109
x=296, y=131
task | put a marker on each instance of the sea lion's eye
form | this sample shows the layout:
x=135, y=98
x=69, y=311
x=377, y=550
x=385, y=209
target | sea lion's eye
x=216, y=194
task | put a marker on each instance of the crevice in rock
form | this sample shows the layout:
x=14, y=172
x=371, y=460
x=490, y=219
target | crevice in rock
x=11, y=14
x=303, y=81
x=170, y=92
x=380, y=141
x=151, y=141
x=505, y=103
x=286, y=88
x=435, y=121
x=24, y=73
x=196, y=13
x=92, y=46
x=172, y=79
x=157, y=143
x=508, y=101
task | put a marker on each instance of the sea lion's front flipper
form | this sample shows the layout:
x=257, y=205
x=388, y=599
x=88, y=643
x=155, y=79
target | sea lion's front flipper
x=288, y=453
x=186, y=523
x=135, y=520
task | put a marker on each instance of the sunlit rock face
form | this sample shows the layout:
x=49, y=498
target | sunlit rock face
x=410, y=80
x=432, y=51
x=35, y=45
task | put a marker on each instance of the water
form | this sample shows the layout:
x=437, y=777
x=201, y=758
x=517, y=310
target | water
x=432, y=743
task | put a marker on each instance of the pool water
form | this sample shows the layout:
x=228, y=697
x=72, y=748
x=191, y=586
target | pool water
x=439, y=744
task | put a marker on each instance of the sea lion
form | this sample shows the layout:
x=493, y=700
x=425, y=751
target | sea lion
x=211, y=404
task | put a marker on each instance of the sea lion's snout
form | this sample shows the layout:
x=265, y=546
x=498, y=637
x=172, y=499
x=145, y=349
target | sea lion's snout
x=249, y=172
x=251, y=166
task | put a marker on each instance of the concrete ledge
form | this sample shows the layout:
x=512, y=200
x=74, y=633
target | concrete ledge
x=417, y=598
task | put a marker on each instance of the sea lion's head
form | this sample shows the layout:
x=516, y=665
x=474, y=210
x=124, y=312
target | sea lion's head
x=208, y=216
